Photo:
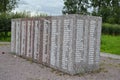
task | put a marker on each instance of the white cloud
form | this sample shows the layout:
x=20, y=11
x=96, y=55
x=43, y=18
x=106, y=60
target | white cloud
x=50, y=7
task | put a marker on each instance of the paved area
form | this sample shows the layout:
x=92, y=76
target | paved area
x=4, y=43
x=110, y=55
x=16, y=68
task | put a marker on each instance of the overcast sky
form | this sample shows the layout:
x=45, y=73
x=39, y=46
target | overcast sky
x=50, y=7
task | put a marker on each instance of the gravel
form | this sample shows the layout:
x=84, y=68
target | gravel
x=16, y=68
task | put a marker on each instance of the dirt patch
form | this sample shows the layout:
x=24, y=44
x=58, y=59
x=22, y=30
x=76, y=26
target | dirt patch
x=15, y=68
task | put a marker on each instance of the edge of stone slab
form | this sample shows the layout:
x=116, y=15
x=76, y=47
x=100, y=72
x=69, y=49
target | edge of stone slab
x=5, y=43
x=110, y=55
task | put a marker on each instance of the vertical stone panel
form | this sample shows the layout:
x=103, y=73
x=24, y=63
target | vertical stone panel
x=71, y=48
x=32, y=38
x=13, y=36
x=28, y=38
x=92, y=41
x=36, y=39
x=49, y=40
x=23, y=42
x=98, y=36
x=41, y=25
x=18, y=33
x=79, y=40
x=86, y=41
x=61, y=25
x=45, y=55
x=53, y=44
x=55, y=41
x=58, y=42
x=67, y=42
x=80, y=56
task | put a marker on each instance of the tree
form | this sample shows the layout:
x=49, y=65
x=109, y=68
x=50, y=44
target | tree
x=75, y=6
x=108, y=9
x=7, y=5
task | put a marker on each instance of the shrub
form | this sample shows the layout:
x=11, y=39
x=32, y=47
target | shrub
x=111, y=29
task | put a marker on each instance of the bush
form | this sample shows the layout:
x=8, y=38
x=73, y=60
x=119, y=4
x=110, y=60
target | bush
x=111, y=29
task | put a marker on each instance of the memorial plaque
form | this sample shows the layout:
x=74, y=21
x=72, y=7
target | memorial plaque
x=92, y=41
x=70, y=54
x=67, y=41
x=86, y=38
x=58, y=37
x=79, y=41
x=45, y=58
x=23, y=47
x=32, y=38
x=28, y=38
x=98, y=32
x=36, y=40
x=40, y=42
x=53, y=44
x=13, y=36
x=18, y=34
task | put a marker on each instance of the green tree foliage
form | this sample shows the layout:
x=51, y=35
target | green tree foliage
x=108, y=9
x=5, y=22
x=75, y=6
x=7, y=5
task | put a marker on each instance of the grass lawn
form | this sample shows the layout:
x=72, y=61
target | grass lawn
x=110, y=44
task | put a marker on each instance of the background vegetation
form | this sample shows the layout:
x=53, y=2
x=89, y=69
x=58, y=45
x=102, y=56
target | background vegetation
x=5, y=23
x=111, y=29
x=7, y=5
x=109, y=10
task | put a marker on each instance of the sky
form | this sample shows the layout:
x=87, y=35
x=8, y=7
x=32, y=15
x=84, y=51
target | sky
x=50, y=7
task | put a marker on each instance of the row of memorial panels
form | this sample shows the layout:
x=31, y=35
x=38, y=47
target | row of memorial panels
x=58, y=42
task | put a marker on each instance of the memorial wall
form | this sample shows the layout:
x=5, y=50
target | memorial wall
x=69, y=43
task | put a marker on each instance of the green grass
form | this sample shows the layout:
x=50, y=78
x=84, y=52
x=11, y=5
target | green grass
x=110, y=44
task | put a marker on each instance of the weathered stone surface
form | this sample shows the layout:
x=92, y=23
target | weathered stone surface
x=70, y=43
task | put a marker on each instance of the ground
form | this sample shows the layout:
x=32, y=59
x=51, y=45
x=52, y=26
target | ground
x=16, y=68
